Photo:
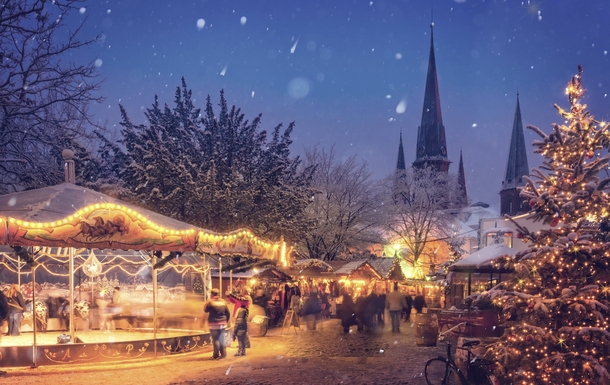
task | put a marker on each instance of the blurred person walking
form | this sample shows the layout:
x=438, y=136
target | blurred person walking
x=312, y=310
x=408, y=308
x=419, y=303
x=241, y=330
x=395, y=302
x=15, y=313
x=347, y=312
x=218, y=318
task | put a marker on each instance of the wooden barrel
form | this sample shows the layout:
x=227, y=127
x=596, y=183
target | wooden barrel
x=426, y=329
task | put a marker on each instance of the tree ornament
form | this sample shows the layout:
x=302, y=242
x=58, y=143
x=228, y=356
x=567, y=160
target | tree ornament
x=590, y=154
x=554, y=222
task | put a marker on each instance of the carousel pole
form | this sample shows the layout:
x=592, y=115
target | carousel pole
x=154, y=282
x=220, y=275
x=34, y=347
x=71, y=283
x=18, y=270
x=230, y=280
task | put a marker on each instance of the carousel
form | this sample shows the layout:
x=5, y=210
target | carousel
x=105, y=280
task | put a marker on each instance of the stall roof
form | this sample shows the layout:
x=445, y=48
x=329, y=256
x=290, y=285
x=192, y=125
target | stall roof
x=303, y=264
x=481, y=260
x=351, y=267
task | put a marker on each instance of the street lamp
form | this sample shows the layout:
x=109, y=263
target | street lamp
x=396, y=249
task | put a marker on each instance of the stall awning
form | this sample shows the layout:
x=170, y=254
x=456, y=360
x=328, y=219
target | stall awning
x=481, y=260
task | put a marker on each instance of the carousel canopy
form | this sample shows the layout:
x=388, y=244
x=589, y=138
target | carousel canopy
x=481, y=260
x=69, y=215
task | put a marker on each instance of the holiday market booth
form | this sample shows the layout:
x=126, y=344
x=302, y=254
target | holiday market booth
x=472, y=275
x=393, y=269
x=310, y=274
x=358, y=276
x=120, y=281
x=255, y=282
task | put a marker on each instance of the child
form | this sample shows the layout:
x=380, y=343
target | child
x=241, y=329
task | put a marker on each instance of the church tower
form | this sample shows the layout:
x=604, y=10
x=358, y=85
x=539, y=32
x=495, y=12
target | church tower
x=516, y=168
x=461, y=193
x=400, y=175
x=431, y=148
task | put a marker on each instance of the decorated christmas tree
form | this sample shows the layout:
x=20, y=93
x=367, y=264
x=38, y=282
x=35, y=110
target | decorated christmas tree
x=556, y=307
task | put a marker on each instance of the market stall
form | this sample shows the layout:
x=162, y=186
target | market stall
x=475, y=273
x=471, y=275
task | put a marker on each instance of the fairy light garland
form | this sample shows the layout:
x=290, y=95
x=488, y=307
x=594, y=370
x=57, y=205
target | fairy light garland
x=557, y=305
x=97, y=206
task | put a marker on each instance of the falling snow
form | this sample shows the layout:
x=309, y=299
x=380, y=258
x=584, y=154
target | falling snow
x=401, y=107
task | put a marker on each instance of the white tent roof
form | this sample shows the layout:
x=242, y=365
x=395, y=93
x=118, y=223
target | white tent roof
x=484, y=256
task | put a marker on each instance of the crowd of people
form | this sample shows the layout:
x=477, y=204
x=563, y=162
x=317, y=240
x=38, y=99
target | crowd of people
x=367, y=312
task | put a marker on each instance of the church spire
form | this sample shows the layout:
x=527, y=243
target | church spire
x=400, y=163
x=461, y=194
x=431, y=142
x=516, y=168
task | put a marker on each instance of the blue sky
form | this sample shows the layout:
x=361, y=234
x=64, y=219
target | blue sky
x=352, y=73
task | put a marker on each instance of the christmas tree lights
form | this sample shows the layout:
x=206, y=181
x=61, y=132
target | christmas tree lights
x=556, y=307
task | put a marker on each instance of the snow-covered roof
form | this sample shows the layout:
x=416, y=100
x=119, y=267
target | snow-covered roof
x=483, y=257
x=349, y=267
x=463, y=230
x=477, y=213
x=305, y=263
x=382, y=265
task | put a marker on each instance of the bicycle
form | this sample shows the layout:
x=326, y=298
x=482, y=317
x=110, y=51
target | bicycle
x=444, y=370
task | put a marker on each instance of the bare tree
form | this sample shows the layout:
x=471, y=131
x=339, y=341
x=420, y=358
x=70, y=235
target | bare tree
x=420, y=219
x=346, y=210
x=43, y=94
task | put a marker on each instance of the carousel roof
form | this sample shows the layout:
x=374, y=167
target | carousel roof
x=54, y=203
x=481, y=260
x=67, y=215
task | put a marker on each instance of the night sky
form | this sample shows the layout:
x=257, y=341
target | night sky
x=352, y=73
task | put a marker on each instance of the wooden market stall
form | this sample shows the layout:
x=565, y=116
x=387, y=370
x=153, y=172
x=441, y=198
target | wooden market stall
x=475, y=273
x=471, y=275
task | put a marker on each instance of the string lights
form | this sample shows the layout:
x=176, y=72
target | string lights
x=556, y=307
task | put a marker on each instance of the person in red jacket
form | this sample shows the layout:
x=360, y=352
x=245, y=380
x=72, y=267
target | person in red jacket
x=218, y=319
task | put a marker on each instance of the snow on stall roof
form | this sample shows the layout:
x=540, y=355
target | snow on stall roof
x=350, y=267
x=305, y=262
x=382, y=265
x=485, y=256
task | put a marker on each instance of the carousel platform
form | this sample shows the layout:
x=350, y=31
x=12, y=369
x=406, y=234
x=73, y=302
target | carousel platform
x=98, y=346
x=88, y=337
